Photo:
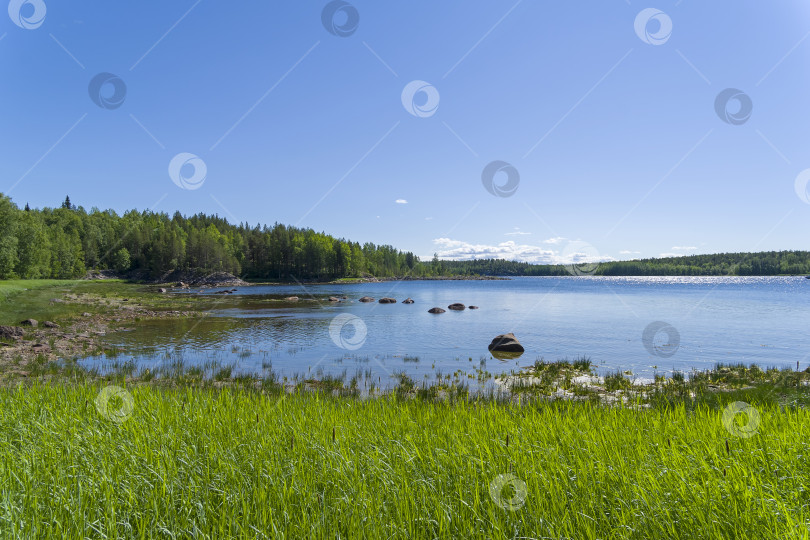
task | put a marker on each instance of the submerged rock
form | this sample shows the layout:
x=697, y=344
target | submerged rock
x=506, y=343
x=457, y=307
x=472, y=307
x=388, y=300
x=408, y=301
x=367, y=299
x=436, y=310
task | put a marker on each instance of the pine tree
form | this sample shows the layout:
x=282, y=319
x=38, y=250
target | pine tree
x=27, y=208
x=67, y=204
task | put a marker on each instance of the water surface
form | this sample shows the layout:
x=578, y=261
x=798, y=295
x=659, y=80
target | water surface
x=763, y=320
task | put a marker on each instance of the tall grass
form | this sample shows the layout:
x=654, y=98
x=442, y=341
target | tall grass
x=226, y=463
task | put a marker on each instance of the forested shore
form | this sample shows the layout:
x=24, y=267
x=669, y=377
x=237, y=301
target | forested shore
x=68, y=241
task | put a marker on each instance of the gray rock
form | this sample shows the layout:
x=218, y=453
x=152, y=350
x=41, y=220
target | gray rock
x=472, y=307
x=29, y=322
x=457, y=307
x=291, y=299
x=161, y=290
x=388, y=300
x=49, y=324
x=408, y=301
x=334, y=299
x=436, y=310
x=11, y=332
x=366, y=299
x=505, y=343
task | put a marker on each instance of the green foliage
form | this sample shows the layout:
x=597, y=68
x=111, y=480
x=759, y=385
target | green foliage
x=232, y=463
x=121, y=261
x=64, y=242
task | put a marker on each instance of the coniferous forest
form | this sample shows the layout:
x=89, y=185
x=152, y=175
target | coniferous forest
x=68, y=241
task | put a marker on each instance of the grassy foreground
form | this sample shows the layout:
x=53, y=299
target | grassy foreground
x=78, y=461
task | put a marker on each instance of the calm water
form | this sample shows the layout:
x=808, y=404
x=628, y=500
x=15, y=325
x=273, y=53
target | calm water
x=751, y=320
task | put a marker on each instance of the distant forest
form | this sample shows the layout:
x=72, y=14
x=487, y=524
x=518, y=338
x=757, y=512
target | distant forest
x=67, y=242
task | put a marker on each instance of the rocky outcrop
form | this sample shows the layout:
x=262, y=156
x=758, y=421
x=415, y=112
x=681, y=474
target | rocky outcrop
x=366, y=299
x=435, y=310
x=506, y=343
x=457, y=307
x=11, y=332
x=408, y=301
x=387, y=300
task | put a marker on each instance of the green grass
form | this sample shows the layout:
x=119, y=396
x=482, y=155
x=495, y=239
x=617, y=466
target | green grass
x=237, y=463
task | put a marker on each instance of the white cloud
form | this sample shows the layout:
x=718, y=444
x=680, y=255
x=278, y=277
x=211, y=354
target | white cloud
x=666, y=255
x=458, y=250
x=516, y=232
x=628, y=252
x=683, y=248
x=556, y=240
x=401, y=201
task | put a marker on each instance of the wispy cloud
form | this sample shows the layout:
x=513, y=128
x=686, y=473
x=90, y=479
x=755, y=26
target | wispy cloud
x=556, y=240
x=517, y=232
x=683, y=248
x=628, y=252
x=401, y=201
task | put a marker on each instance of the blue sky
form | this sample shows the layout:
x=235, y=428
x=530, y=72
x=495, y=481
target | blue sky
x=609, y=124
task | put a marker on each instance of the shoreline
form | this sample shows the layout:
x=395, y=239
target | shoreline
x=94, y=310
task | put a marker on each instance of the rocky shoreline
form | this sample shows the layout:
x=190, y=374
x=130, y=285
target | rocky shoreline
x=31, y=340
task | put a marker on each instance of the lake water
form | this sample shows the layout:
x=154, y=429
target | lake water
x=702, y=321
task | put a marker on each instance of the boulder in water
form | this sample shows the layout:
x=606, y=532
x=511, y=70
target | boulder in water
x=506, y=343
x=435, y=310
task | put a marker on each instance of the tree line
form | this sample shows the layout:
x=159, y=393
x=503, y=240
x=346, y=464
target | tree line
x=771, y=263
x=68, y=241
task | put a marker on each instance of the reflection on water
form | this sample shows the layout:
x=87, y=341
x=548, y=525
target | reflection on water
x=750, y=320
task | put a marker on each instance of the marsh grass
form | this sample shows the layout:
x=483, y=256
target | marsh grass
x=233, y=463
